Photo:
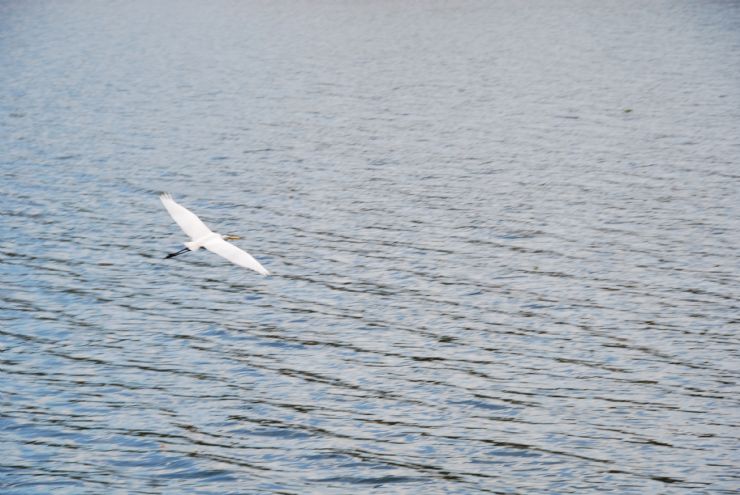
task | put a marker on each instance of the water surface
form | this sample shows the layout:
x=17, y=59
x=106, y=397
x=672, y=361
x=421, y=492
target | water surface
x=503, y=236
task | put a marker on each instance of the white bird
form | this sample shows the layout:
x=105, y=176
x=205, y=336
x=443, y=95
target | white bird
x=203, y=237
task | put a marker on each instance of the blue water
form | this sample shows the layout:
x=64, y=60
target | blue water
x=503, y=238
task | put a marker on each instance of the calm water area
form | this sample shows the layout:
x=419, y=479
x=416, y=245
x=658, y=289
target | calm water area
x=503, y=236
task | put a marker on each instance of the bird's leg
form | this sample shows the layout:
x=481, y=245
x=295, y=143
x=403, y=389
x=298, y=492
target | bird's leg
x=172, y=255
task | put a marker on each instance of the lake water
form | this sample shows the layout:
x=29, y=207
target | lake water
x=504, y=238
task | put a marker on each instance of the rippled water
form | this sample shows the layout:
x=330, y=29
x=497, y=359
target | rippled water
x=504, y=238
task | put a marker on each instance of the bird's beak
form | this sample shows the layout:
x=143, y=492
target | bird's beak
x=232, y=237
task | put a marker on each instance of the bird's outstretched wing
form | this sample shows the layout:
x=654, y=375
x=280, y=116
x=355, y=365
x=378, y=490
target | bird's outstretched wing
x=235, y=255
x=186, y=219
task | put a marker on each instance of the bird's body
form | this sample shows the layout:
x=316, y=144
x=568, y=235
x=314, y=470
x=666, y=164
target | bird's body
x=202, y=242
x=203, y=237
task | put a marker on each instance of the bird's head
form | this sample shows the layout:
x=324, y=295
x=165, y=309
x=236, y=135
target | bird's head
x=231, y=237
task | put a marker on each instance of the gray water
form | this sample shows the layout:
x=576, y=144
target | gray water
x=504, y=239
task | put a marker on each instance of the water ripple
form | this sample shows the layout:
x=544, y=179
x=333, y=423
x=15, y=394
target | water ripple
x=503, y=243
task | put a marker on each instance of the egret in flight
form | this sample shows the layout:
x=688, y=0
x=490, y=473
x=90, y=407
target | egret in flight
x=203, y=237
